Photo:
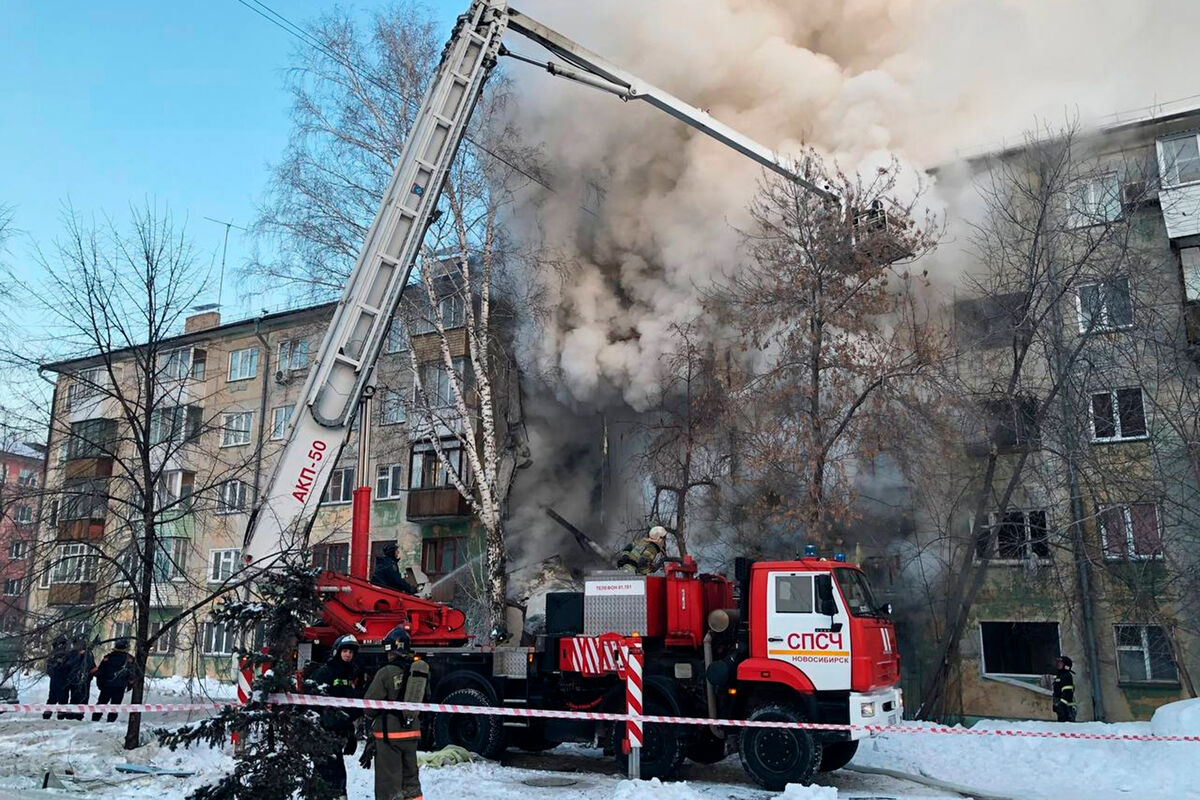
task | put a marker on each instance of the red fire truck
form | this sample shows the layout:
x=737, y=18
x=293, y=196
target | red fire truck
x=788, y=641
x=796, y=640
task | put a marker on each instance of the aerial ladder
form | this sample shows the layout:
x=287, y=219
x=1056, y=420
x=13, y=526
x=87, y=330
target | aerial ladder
x=340, y=380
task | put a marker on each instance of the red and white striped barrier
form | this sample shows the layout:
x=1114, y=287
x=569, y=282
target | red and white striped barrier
x=445, y=708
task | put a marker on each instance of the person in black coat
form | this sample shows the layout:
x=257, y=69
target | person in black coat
x=387, y=571
x=79, y=675
x=114, y=675
x=339, y=677
x=58, y=667
x=1064, y=690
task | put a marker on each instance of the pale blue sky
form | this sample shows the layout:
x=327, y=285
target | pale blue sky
x=107, y=104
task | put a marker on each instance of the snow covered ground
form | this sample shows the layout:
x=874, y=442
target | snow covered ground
x=83, y=755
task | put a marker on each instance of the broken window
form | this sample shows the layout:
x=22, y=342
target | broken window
x=1095, y=200
x=1105, y=306
x=1144, y=654
x=333, y=557
x=989, y=322
x=1013, y=422
x=1131, y=531
x=1019, y=648
x=1014, y=536
x=1118, y=414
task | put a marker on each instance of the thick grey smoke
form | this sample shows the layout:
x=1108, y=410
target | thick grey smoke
x=926, y=80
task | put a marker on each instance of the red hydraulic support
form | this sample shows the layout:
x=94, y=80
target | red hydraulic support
x=360, y=533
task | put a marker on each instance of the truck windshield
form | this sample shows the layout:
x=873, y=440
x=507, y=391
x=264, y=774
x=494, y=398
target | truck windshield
x=857, y=592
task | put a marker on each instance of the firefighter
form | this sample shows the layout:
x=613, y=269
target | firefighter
x=81, y=666
x=645, y=555
x=113, y=676
x=339, y=677
x=395, y=734
x=1064, y=690
x=387, y=571
x=58, y=668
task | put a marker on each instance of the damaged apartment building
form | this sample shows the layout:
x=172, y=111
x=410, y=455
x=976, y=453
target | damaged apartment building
x=1094, y=550
x=231, y=389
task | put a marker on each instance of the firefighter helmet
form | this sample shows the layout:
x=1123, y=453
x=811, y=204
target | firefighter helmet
x=343, y=642
x=397, y=640
x=658, y=534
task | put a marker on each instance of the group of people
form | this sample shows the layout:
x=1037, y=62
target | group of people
x=71, y=668
x=394, y=735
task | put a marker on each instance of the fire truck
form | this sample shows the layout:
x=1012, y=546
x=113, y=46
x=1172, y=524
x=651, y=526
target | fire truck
x=795, y=641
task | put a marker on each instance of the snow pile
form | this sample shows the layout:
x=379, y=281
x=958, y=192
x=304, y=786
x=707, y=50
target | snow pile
x=1177, y=719
x=797, y=792
x=1044, y=769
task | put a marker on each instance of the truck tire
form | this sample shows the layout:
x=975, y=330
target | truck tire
x=662, y=746
x=775, y=757
x=835, y=755
x=705, y=748
x=482, y=734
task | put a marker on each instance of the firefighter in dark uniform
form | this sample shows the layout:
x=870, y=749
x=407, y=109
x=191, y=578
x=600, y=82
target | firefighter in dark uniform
x=114, y=675
x=1064, y=690
x=396, y=734
x=79, y=675
x=387, y=571
x=339, y=677
x=58, y=668
x=645, y=555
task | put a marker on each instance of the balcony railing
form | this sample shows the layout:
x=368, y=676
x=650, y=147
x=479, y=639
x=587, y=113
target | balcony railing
x=71, y=594
x=431, y=504
x=80, y=530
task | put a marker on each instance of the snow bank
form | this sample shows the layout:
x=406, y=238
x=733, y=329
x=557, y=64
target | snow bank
x=1177, y=719
x=1044, y=769
x=797, y=792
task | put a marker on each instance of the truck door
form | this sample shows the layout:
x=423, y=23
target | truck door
x=799, y=633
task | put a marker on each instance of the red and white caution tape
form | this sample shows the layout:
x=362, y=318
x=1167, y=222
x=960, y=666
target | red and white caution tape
x=545, y=713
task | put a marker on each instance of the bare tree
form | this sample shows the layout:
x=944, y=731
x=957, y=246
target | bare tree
x=133, y=443
x=831, y=333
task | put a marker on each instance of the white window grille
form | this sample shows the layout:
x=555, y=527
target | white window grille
x=236, y=428
x=243, y=364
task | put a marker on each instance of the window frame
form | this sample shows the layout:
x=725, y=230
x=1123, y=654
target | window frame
x=345, y=473
x=13, y=587
x=18, y=549
x=173, y=564
x=164, y=645
x=244, y=371
x=1093, y=211
x=427, y=449
x=393, y=475
x=279, y=427
x=983, y=670
x=392, y=398
x=1130, y=550
x=1028, y=556
x=1169, y=172
x=241, y=493
x=1113, y=395
x=1104, y=323
x=86, y=384
x=226, y=417
x=217, y=558
x=293, y=347
x=77, y=558
x=208, y=636
x=1144, y=649
x=23, y=514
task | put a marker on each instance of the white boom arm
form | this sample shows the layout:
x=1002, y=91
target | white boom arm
x=342, y=367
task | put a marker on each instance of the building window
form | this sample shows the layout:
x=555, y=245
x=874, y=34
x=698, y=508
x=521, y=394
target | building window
x=293, y=355
x=236, y=428
x=122, y=630
x=173, y=492
x=1179, y=160
x=218, y=639
x=92, y=438
x=1095, y=201
x=1118, y=414
x=233, y=497
x=1105, y=306
x=1189, y=263
x=165, y=644
x=333, y=557
x=280, y=417
x=388, y=483
x=426, y=470
x=1144, y=654
x=341, y=486
x=12, y=586
x=1131, y=531
x=85, y=499
x=88, y=383
x=18, y=549
x=52, y=516
x=175, y=424
x=436, y=383
x=76, y=563
x=23, y=514
x=392, y=410
x=27, y=477
x=1019, y=648
x=397, y=340
x=1014, y=536
x=442, y=556
x=243, y=364
x=453, y=313
x=184, y=362
x=170, y=560
x=222, y=564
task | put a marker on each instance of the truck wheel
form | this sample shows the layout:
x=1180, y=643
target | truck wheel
x=707, y=748
x=662, y=745
x=775, y=757
x=480, y=733
x=835, y=755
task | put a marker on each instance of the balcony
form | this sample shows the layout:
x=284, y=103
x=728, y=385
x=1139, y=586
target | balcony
x=80, y=530
x=77, y=468
x=71, y=594
x=425, y=505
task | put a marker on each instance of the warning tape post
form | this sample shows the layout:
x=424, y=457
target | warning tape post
x=443, y=708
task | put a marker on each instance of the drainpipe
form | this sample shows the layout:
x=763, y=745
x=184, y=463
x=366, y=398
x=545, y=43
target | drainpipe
x=1078, y=546
x=262, y=407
